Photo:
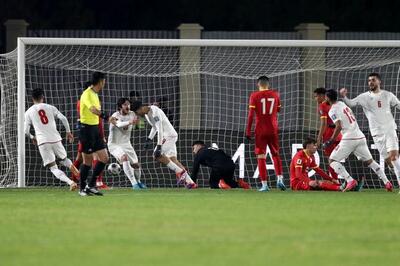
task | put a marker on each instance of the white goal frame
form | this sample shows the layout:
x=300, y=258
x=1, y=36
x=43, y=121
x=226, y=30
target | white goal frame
x=22, y=42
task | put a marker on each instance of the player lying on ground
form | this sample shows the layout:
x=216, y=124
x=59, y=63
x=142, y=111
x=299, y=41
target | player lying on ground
x=326, y=127
x=221, y=165
x=119, y=142
x=304, y=161
x=353, y=141
x=42, y=116
x=165, y=151
x=376, y=104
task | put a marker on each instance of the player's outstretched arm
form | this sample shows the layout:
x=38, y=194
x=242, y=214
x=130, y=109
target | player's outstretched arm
x=350, y=102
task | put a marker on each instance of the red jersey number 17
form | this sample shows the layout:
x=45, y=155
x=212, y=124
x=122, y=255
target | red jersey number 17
x=264, y=105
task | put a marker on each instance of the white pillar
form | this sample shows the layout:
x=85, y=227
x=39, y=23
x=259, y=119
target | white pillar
x=190, y=89
x=312, y=58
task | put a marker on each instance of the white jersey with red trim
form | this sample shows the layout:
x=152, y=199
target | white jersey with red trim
x=341, y=112
x=42, y=117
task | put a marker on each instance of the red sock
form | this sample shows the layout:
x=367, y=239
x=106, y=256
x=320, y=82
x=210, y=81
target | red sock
x=329, y=186
x=262, y=168
x=77, y=164
x=332, y=173
x=277, y=164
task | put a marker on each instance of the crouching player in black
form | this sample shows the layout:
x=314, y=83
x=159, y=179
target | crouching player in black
x=222, y=167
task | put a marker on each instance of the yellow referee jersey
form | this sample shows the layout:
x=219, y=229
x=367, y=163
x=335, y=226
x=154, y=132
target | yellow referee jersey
x=88, y=99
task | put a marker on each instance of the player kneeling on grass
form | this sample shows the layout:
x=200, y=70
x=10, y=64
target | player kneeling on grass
x=165, y=151
x=119, y=144
x=301, y=163
x=42, y=116
x=222, y=166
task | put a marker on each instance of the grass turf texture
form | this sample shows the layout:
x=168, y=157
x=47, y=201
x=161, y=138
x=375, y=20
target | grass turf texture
x=201, y=227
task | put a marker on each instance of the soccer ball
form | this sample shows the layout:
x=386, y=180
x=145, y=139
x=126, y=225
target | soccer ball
x=114, y=168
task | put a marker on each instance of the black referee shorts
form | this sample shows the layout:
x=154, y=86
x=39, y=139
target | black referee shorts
x=90, y=139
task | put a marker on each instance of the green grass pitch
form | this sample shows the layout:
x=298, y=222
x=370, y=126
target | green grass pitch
x=200, y=227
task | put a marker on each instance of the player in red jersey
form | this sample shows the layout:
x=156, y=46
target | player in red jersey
x=265, y=105
x=78, y=160
x=327, y=126
x=304, y=161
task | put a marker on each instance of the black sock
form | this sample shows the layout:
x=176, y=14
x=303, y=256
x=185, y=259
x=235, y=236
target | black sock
x=98, y=168
x=84, y=172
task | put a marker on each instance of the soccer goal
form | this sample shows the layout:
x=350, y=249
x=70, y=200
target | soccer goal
x=202, y=85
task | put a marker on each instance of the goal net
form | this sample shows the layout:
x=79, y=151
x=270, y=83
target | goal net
x=203, y=86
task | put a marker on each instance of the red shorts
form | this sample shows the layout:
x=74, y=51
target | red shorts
x=262, y=141
x=300, y=184
x=79, y=147
x=330, y=149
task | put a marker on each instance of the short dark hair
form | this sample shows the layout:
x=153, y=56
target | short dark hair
x=264, y=80
x=136, y=105
x=121, y=101
x=97, y=77
x=307, y=141
x=37, y=94
x=332, y=95
x=198, y=142
x=320, y=90
x=374, y=74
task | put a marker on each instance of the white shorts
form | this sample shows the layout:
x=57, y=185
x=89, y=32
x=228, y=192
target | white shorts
x=168, y=147
x=386, y=142
x=345, y=147
x=49, y=152
x=120, y=150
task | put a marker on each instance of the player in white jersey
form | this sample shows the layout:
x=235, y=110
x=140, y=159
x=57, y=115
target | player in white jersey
x=376, y=104
x=119, y=142
x=353, y=141
x=165, y=151
x=42, y=116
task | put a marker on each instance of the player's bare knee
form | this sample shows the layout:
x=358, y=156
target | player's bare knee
x=368, y=162
x=261, y=156
x=51, y=164
x=124, y=158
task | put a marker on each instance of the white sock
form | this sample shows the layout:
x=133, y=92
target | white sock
x=188, y=179
x=340, y=170
x=60, y=175
x=396, y=168
x=378, y=171
x=129, y=172
x=138, y=173
x=280, y=178
x=171, y=165
x=66, y=162
x=264, y=183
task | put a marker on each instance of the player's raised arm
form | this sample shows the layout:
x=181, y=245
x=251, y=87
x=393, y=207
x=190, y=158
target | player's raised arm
x=350, y=102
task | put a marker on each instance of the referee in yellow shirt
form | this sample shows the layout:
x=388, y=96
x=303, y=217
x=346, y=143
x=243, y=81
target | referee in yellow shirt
x=90, y=111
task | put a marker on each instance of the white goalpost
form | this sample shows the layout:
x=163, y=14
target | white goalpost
x=202, y=85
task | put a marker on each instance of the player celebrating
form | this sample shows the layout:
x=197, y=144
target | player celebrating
x=353, y=141
x=327, y=126
x=221, y=165
x=265, y=104
x=119, y=144
x=301, y=163
x=165, y=151
x=376, y=104
x=42, y=116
